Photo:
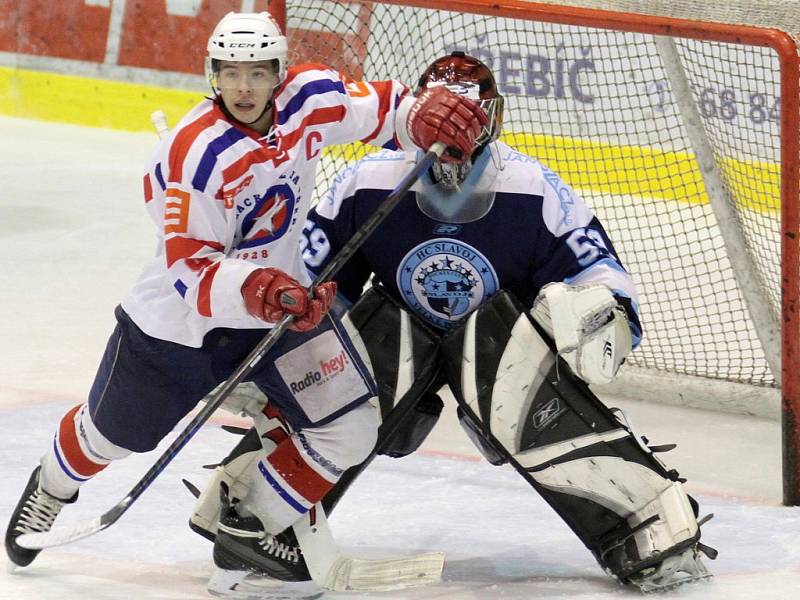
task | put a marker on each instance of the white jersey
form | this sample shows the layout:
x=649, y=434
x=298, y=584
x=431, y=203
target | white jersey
x=227, y=200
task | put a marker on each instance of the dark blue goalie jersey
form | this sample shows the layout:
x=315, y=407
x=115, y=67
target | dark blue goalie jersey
x=538, y=231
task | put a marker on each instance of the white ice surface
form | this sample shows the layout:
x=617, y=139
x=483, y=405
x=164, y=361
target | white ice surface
x=73, y=236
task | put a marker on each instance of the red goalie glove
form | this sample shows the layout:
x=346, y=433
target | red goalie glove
x=440, y=115
x=269, y=294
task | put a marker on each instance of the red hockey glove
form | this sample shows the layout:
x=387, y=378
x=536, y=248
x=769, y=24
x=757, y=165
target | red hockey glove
x=440, y=115
x=318, y=307
x=269, y=294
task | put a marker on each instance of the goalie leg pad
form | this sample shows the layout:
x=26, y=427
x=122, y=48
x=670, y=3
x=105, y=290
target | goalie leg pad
x=402, y=352
x=476, y=434
x=418, y=422
x=398, y=347
x=620, y=500
x=403, y=355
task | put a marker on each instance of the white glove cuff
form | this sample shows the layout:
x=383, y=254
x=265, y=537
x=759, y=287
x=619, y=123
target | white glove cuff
x=589, y=328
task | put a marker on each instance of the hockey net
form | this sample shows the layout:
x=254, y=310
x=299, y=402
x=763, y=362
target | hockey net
x=672, y=127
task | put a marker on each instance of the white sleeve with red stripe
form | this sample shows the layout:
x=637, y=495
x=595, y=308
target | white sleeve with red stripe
x=195, y=255
x=353, y=110
x=197, y=229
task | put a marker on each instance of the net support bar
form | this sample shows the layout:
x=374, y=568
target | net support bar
x=766, y=323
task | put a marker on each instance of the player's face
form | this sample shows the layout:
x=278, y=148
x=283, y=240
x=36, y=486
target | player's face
x=246, y=87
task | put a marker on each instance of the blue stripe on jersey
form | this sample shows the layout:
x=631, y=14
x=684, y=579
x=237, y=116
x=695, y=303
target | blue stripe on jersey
x=160, y=177
x=281, y=492
x=312, y=88
x=181, y=287
x=392, y=143
x=209, y=158
x=62, y=463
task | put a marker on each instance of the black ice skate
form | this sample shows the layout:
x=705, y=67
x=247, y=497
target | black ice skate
x=251, y=563
x=35, y=512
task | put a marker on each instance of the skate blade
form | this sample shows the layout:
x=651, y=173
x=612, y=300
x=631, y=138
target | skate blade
x=677, y=571
x=244, y=585
x=12, y=567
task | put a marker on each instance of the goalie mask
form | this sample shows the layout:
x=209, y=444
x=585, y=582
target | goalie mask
x=246, y=37
x=463, y=192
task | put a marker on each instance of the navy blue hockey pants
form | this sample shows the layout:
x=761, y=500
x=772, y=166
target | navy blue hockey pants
x=144, y=386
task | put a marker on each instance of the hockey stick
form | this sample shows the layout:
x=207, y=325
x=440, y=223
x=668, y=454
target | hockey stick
x=332, y=571
x=66, y=534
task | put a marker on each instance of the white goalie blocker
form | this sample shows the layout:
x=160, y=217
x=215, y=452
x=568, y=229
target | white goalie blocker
x=582, y=457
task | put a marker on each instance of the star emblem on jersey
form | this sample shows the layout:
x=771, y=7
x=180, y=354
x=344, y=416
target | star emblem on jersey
x=443, y=280
x=268, y=215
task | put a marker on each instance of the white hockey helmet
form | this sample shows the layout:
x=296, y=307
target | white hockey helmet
x=247, y=37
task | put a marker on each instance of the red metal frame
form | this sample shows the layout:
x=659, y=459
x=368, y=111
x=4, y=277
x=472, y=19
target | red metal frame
x=786, y=48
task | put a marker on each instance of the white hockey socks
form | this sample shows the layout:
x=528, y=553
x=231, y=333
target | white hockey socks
x=78, y=453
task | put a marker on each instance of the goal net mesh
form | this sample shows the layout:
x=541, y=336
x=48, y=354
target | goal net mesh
x=597, y=107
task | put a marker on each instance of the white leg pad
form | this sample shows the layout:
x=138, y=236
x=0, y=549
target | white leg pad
x=237, y=475
x=632, y=491
x=676, y=521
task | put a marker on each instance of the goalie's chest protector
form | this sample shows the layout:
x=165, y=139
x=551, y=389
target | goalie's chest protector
x=444, y=271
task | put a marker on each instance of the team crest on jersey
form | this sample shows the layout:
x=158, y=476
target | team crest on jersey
x=268, y=216
x=442, y=280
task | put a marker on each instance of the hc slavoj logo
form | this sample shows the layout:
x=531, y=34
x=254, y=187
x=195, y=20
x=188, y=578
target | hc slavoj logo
x=442, y=280
x=267, y=217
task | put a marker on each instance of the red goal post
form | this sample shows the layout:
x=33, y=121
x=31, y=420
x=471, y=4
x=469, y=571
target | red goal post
x=680, y=130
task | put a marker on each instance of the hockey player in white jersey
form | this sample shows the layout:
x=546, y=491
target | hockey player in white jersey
x=228, y=190
x=494, y=277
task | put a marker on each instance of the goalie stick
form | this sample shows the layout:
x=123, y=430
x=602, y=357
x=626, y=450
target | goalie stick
x=338, y=569
x=331, y=570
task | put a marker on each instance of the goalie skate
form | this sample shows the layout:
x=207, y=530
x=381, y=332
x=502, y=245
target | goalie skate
x=673, y=571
